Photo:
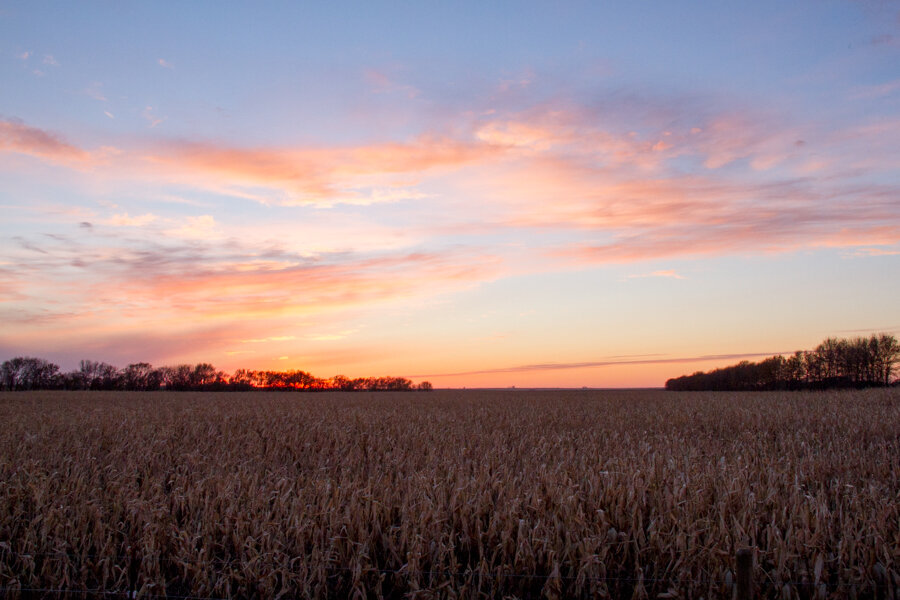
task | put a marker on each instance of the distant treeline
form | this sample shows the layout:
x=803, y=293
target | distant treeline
x=835, y=363
x=26, y=373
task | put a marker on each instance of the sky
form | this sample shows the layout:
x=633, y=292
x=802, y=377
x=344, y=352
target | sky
x=477, y=194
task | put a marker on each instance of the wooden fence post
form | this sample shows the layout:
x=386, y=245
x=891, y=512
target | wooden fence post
x=744, y=568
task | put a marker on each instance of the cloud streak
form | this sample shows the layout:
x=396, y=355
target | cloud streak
x=670, y=274
x=114, y=288
x=601, y=363
x=315, y=176
x=749, y=187
x=538, y=171
x=16, y=137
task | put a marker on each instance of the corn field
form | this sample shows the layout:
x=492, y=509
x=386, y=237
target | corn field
x=478, y=494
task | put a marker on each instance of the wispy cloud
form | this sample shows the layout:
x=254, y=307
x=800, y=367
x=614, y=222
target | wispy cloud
x=149, y=114
x=872, y=330
x=603, y=363
x=201, y=227
x=666, y=274
x=165, y=64
x=381, y=82
x=222, y=290
x=877, y=91
x=331, y=337
x=876, y=252
x=630, y=183
x=276, y=338
x=750, y=189
x=316, y=176
x=95, y=91
x=17, y=137
x=124, y=220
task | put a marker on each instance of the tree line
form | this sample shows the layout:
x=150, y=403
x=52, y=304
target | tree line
x=835, y=363
x=27, y=373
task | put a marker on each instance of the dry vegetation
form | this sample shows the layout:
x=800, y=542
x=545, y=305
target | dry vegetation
x=479, y=494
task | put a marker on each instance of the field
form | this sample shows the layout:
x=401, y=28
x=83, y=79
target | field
x=449, y=494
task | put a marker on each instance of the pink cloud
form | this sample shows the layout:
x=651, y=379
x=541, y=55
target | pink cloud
x=624, y=188
x=149, y=114
x=521, y=134
x=755, y=185
x=177, y=291
x=174, y=304
x=315, y=175
x=19, y=138
x=382, y=83
x=230, y=292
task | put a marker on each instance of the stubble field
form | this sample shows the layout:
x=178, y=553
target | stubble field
x=449, y=494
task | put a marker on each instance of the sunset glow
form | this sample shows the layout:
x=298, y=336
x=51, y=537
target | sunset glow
x=513, y=194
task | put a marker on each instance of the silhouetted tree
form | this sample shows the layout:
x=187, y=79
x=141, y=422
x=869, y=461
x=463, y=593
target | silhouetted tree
x=27, y=373
x=180, y=377
x=23, y=373
x=205, y=376
x=141, y=376
x=90, y=373
x=340, y=382
x=857, y=362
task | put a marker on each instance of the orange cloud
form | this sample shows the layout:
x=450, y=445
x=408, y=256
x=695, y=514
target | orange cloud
x=642, y=208
x=538, y=171
x=570, y=136
x=165, y=302
x=169, y=292
x=228, y=293
x=519, y=134
x=320, y=176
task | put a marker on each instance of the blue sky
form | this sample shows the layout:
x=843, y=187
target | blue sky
x=430, y=189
